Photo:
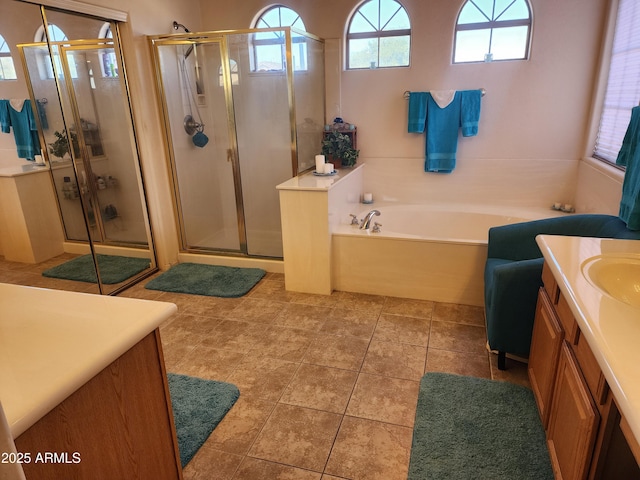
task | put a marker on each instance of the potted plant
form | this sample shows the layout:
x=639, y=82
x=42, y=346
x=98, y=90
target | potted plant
x=338, y=149
x=60, y=147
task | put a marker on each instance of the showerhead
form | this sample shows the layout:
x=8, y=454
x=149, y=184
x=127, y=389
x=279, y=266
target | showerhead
x=177, y=25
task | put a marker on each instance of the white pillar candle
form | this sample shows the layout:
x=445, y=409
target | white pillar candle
x=320, y=163
x=328, y=168
x=368, y=197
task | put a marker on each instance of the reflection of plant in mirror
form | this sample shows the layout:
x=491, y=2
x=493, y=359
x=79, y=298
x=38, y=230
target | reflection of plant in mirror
x=60, y=147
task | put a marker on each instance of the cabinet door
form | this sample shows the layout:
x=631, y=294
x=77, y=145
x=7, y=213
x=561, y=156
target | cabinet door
x=545, y=350
x=573, y=421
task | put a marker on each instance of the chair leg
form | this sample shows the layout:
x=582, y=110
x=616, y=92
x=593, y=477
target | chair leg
x=502, y=360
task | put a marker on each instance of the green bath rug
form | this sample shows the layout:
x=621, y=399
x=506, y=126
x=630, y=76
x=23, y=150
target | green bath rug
x=473, y=428
x=113, y=269
x=210, y=280
x=198, y=407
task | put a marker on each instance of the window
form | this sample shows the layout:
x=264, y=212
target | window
x=379, y=35
x=269, y=50
x=489, y=30
x=623, y=85
x=7, y=70
x=55, y=35
x=109, y=65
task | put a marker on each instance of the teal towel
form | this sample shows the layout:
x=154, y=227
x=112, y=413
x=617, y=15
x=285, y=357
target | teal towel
x=417, y=111
x=470, y=112
x=25, y=131
x=629, y=156
x=5, y=121
x=442, y=135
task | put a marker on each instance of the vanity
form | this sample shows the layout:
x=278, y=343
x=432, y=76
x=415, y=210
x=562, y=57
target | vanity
x=584, y=364
x=83, y=385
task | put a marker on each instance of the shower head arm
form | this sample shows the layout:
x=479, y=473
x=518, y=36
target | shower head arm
x=177, y=25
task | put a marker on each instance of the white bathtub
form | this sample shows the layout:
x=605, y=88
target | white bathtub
x=422, y=252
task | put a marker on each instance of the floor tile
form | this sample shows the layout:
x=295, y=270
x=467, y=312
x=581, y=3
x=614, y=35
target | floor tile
x=360, y=301
x=457, y=337
x=461, y=363
x=356, y=323
x=390, y=400
x=322, y=388
x=241, y=425
x=308, y=317
x=263, y=378
x=408, y=307
x=235, y=335
x=256, y=469
x=516, y=371
x=209, y=363
x=392, y=359
x=257, y=310
x=450, y=312
x=272, y=289
x=365, y=449
x=211, y=464
x=297, y=436
x=403, y=329
x=283, y=343
x=337, y=351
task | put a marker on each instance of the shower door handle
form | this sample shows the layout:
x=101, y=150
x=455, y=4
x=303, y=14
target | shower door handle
x=230, y=155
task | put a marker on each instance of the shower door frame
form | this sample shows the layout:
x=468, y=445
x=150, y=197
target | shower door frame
x=194, y=39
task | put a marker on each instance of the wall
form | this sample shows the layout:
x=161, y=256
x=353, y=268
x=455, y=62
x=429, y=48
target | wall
x=534, y=116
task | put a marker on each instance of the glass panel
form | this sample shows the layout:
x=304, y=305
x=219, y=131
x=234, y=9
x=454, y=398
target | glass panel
x=7, y=69
x=263, y=132
x=309, y=93
x=204, y=176
x=269, y=58
x=394, y=51
x=517, y=10
x=471, y=14
x=360, y=24
x=472, y=45
x=370, y=11
x=363, y=53
x=399, y=21
x=509, y=43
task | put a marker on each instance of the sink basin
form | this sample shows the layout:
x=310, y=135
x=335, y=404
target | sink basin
x=617, y=276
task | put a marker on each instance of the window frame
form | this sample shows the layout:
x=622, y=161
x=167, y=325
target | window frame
x=492, y=25
x=378, y=34
x=7, y=54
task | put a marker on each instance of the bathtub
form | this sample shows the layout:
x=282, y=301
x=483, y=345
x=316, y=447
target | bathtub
x=422, y=252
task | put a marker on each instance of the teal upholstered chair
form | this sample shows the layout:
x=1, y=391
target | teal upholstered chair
x=513, y=271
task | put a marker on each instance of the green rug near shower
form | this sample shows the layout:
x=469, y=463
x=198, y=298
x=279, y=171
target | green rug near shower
x=209, y=280
x=468, y=428
x=113, y=269
x=198, y=407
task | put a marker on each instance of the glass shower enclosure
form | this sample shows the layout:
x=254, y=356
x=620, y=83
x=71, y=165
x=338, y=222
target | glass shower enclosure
x=243, y=112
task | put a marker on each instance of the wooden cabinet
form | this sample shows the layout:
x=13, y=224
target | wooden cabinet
x=585, y=431
x=573, y=420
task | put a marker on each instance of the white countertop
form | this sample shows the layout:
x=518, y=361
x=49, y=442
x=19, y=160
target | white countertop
x=310, y=182
x=52, y=342
x=26, y=169
x=611, y=327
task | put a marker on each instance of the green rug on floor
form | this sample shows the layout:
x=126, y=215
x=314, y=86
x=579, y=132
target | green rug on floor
x=198, y=407
x=113, y=269
x=211, y=280
x=472, y=428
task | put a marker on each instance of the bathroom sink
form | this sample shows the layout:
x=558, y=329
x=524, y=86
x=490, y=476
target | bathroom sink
x=615, y=275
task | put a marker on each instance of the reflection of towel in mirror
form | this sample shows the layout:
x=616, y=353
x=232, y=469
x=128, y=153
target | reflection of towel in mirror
x=443, y=124
x=25, y=130
x=629, y=156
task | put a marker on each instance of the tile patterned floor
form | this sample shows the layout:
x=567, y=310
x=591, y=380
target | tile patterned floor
x=329, y=384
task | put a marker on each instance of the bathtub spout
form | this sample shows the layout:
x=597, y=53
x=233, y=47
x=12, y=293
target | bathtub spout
x=366, y=222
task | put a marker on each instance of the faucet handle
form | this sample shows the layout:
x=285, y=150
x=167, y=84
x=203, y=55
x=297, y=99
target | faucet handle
x=354, y=219
x=376, y=227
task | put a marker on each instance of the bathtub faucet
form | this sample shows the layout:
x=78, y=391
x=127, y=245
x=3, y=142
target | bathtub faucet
x=366, y=222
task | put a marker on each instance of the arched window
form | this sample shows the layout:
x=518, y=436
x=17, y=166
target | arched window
x=7, y=69
x=489, y=30
x=109, y=65
x=55, y=35
x=379, y=35
x=269, y=51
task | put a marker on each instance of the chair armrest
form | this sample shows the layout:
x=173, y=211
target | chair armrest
x=518, y=241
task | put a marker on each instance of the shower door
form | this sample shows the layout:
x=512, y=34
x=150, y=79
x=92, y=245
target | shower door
x=196, y=97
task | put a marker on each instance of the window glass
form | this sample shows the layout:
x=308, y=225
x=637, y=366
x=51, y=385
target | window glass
x=7, y=69
x=623, y=84
x=489, y=30
x=379, y=35
x=269, y=49
x=56, y=35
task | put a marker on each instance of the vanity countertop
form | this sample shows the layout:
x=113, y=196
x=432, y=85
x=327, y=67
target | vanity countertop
x=19, y=170
x=310, y=182
x=52, y=342
x=611, y=327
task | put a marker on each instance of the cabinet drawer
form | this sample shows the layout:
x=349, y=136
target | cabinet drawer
x=567, y=320
x=550, y=284
x=590, y=369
